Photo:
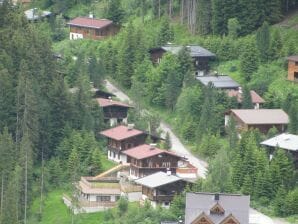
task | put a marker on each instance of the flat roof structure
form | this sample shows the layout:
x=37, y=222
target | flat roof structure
x=157, y=179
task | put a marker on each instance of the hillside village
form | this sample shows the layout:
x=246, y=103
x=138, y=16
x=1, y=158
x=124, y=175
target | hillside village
x=151, y=111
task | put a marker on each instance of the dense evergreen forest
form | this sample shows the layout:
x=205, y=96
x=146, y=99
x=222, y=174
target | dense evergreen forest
x=49, y=135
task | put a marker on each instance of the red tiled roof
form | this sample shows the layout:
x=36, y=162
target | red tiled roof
x=262, y=116
x=109, y=102
x=90, y=22
x=255, y=98
x=145, y=151
x=121, y=132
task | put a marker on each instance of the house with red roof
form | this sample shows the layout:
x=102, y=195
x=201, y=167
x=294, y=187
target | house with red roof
x=256, y=99
x=148, y=159
x=91, y=28
x=114, y=112
x=121, y=138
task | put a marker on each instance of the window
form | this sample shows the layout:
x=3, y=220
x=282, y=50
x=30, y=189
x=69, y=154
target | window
x=296, y=75
x=296, y=63
x=166, y=164
x=103, y=198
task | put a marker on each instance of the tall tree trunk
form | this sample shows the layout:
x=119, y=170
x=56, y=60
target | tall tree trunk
x=2, y=194
x=42, y=180
x=182, y=12
x=158, y=9
x=170, y=8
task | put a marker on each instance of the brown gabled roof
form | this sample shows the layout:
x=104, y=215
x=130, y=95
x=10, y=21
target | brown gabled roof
x=121, y=132
x=255, y=98
x=293, y=58
x=90, y=22
x=146, y=151
x=262, y=116
x=109, y=102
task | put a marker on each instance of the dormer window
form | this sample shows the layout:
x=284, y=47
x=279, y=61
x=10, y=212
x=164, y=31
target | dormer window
x=217, y=209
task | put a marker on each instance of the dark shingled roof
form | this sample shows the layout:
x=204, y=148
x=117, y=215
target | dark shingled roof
x=195, y=50
x=220, y=81
x=197, y=203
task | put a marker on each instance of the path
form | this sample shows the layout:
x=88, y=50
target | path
x=255, y=217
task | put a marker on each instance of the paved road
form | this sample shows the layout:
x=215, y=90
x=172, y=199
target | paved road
x=255, y=217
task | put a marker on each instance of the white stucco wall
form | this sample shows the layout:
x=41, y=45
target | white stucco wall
x=75, y=36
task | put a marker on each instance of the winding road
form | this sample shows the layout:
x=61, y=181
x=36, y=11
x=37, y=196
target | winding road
x=255, y=217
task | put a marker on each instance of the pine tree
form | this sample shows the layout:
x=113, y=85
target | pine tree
x=293, y=114
x=73, y=165
x=96, y=165
x=249, y=61
x=276, y=46
x=246, y=99
x=263, y=42
x=247, y=187
x=168, y=144
x=165, y=33
x=232, y=134
x=185, y=67
x=233, y=28
x=115, y=12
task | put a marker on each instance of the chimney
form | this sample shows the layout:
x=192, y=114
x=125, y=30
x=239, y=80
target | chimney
x=240, y=89
x=130, y=126
x=169, y=173
x=216, y=197
x=152, y=146
x=91, y=16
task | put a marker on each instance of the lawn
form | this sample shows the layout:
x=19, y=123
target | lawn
x=56, y=212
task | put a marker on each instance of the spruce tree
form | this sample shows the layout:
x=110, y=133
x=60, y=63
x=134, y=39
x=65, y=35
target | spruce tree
x=249, y=61
x=293, y=114
x=276, y=45
x=263, y=42
x=246, y=99
x=165, y=33
x=247, y=187
x=115, y=12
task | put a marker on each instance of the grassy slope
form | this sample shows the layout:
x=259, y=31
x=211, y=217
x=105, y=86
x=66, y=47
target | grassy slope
x=55, y=212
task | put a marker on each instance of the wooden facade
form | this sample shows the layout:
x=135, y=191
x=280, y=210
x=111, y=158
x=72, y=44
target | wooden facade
x=161, y=162
x=164, y=194
x=115, y=147
x=115, y=111
x=93, y=33
x=293, y=68
x=263, y=128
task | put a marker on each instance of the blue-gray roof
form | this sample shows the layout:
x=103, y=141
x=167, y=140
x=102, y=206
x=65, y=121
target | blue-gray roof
x=157, y=179
x=220, y=81
x=195, y=50
x=198, y=203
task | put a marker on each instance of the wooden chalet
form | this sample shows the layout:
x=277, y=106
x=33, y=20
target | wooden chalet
x=91, y=28
x=147, y=159
x=256, y=99
x=210, y=208
x=160, y=188
x=285, y=141
x=261, y=119
x=293, y=68
x=115, y=112
x=200, y=56
x=121, y=138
